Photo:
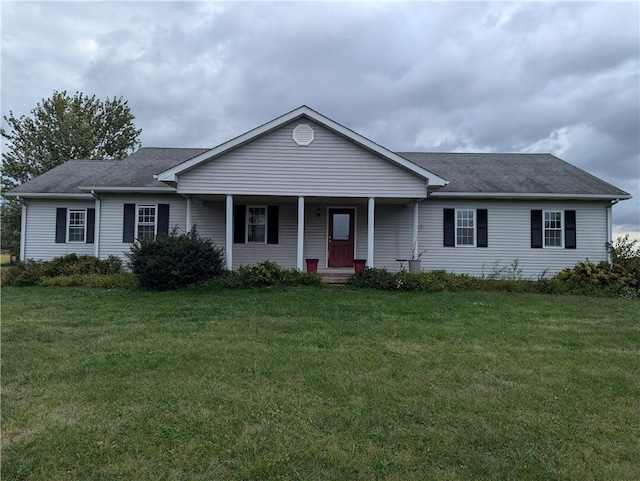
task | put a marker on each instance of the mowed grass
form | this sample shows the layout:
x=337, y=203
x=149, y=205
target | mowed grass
x=318, y=384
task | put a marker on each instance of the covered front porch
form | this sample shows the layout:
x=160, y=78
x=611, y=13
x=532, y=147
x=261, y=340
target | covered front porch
x=335, y=231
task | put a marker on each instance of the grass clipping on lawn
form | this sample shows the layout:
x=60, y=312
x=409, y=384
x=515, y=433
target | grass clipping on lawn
x=314, y=384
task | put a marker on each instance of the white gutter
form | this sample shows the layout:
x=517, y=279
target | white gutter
x=508, y=195
x=53, y=195
x=128, y=190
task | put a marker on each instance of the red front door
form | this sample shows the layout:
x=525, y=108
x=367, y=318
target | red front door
x=341, y=237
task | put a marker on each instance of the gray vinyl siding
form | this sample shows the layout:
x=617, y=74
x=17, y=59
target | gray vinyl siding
x=509, y=233
x=509, y=238
x=111, y=219
x=393, y=236
x=283, y=253
x=275, y=165
x=41, y=230
x=209, y=220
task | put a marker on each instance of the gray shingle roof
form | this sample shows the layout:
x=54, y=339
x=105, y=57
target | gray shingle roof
x=467, y=173
x=510, y=174
x=65, y=178
x=136, y=170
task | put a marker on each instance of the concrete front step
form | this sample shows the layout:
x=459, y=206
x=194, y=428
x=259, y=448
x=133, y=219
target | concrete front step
x=335, y=279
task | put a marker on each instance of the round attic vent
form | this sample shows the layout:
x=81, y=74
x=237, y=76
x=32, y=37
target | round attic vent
x=303, y=134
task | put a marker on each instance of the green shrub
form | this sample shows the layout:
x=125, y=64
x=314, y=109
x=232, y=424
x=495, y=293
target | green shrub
x=121, y=280
x=625, y=253
x=27, y=273
x=585, y=279
x=373, y=278
x=174, y=261
x=32, y=272
x=432, y=281
x=268, y=273
x=264, y=274
x=74, y=264
x=595, y=279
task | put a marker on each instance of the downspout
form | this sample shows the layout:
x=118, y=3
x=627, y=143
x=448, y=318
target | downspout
x=189, y=213
x=414, y=231
x=610, y=226
x=96, y=227
x=23, y=229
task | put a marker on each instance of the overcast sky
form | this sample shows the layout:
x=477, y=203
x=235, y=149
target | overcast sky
x=472, y=77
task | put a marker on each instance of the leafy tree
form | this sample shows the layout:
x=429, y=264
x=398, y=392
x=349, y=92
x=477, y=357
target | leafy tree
x=10, y=213
x=61, y=128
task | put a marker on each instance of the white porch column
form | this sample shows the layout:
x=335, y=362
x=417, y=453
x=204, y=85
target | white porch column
x=228, y=248
x=300, y=233
x=189, y=215
x=370, y=230
x=414, y=247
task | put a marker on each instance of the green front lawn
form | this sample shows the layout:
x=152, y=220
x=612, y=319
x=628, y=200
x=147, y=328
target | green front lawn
x=318, y=384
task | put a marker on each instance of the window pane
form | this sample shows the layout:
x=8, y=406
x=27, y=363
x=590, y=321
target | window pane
x=553, y=229
x=341, y=226
x=465, y=237
x=146, y=231
x=76, y=226
x=257, y=224
x=465, y=228
x=146, y=221
x=147, y=214
x=256, y=233
x=553, y=238
x=552, y=220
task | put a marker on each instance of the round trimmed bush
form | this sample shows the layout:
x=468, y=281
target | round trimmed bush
x=174, y=261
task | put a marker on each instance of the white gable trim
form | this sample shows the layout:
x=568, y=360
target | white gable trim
x=170, y=175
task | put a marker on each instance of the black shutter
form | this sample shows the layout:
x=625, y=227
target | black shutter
x=481, y=215
x=91, y=225
x=449, y=227
x=569, y=229
x=163, y=219
x=272, y=224
x=239, y=223
x=129, y=223
x=61, y=225
x=536, y=229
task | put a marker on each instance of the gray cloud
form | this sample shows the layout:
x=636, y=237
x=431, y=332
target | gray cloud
x=556, y=77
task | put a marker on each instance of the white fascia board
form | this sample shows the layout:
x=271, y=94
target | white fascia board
x=129, y=190
x=49, y=195
x=170, y=175
x=507, y=195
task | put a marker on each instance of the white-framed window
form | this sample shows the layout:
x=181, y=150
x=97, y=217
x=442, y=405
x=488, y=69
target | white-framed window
x=76, y=225
x=552, y=225
x=466, y=227
x=146, y=222
x=257, y=224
